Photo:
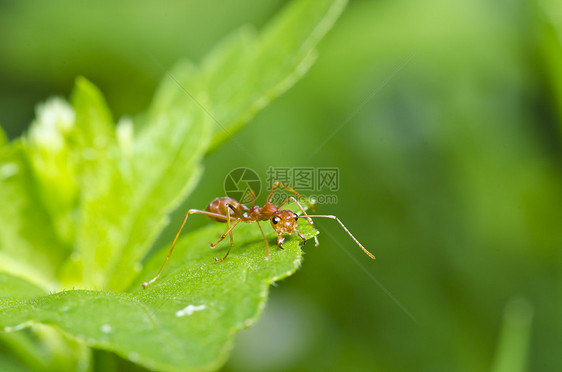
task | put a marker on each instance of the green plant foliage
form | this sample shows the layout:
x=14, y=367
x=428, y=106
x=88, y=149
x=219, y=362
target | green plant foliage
x=85, y=197
x=247, y=70
x=29, y=246
x=12, y=286
x=184, y=321
x=127, y=196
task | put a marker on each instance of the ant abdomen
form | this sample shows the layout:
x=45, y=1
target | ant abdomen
x=221, y=206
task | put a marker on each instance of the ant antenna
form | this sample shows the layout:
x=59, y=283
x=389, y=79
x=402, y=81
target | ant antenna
x=346, y=230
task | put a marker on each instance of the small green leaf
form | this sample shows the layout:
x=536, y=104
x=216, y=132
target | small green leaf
x=99, y=219
x=184, y=321
x=165, y=168
x=29, y=248
x=93, y=119
x=48, y=148
x=129, y=183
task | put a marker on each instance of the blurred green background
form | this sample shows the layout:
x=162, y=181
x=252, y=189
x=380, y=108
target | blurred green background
x=449, y=165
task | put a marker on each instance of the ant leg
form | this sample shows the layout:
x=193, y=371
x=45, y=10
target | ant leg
x=191, y=211
x=316, y=243
x=250, y=195
x=237, y=212
x=292, y=191
x=227, y=232
x=228, y=221
x=272, y=191
x=253, y=196
x=284, y=202
x=225, y=256
x=265, y=241
x=280, y=240
x=348, y=232
x=300, y=235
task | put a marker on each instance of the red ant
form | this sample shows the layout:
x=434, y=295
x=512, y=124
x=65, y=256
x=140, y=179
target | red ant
x=283, y=221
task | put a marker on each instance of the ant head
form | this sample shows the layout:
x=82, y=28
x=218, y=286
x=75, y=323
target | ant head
x=284, y=221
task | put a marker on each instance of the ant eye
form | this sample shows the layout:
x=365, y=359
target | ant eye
x=296, y=217
x=275, y=220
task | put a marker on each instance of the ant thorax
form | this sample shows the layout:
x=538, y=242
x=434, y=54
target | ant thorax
x=260, y=214
x=267, y=211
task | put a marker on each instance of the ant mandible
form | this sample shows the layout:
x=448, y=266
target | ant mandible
x=283, y=221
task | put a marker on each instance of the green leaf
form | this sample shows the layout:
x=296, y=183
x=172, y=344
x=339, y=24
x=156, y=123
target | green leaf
x=187, y=319
x=29, y=248
x=7, y=363
x=107, y=191
x=246, y=71
x=13, y=286
x=94, y=146
x=42, y=348
x=48, y=146
x=129, y=183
